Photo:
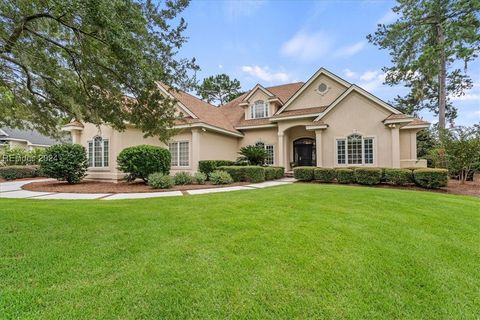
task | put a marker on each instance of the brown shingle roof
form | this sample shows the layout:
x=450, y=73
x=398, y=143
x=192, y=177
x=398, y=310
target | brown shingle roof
x=253, y=122
x=236, y=114
x=205, y=112
x=418, y=122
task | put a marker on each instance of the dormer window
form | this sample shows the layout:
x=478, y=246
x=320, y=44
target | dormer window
x=259, y=109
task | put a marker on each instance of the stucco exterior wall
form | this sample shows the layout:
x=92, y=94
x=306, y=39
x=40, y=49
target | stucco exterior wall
x=310, y=98
x=356, y=114
x=215, y=146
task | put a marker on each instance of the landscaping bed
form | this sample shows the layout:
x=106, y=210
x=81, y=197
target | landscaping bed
x=109, y=187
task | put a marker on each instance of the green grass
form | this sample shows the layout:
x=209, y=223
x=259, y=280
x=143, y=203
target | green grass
x=299, y=251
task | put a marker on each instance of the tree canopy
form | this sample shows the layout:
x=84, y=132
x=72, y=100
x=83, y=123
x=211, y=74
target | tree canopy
x=64, y=59
x=431, y=44
x=219, y=89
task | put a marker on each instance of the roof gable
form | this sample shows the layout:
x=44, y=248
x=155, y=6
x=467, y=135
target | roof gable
x=364, y=93
x=257, y=87
x=321, y=71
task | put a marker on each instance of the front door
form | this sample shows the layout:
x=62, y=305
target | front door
x=304, y=152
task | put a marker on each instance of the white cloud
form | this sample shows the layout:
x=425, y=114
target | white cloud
x=220, y=66
x=350, y=74
x=236, y=9
x=371, y=80
x=351, y=50
x=307, y=46
x=468, y=97
x=265, y=74
x=388, y=18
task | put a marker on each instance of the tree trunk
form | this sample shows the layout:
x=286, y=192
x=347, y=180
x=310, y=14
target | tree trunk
x=442, y=78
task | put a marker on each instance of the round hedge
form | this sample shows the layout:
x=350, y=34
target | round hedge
x=65, y=162
x=158, y=180
x=139, y=162
x=304, y=173
x=368, y=176
x=431, y=178
x=398, y=176
x=345, y=175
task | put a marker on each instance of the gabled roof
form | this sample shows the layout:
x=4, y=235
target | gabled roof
x=310, y=81
x=364, y=93
x=257, y=87
x=199, y=111
x=32, y=137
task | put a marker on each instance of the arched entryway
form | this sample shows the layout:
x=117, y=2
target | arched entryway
x=304, y=152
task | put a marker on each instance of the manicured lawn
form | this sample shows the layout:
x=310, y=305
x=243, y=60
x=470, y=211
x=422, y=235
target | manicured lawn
x=298, y=251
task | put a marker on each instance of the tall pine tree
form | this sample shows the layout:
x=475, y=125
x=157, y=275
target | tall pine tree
x=431, y=44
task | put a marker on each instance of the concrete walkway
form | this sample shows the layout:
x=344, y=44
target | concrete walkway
x=14, y=190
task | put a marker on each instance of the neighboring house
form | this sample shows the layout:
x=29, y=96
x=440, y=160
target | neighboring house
x=25, y=139
x=325, y=122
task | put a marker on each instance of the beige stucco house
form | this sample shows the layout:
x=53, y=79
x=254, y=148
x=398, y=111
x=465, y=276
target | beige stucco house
x=325, y=122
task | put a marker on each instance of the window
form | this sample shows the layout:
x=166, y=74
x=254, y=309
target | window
x=180, y=153
x=98, y=152
x=259, y=109
x=270, y=159
x=355, y=149
x=322, y=88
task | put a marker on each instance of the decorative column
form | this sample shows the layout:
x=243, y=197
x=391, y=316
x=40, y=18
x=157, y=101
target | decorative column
x=318, y=147
x=281, y=150
x=395, y=145
x=413, y=145
x=195, y=149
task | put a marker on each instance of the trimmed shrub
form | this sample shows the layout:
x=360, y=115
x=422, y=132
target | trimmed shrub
x=139, y=162
x=19, y=172
x=245, y=173
x=207, y=166
x=345, y=175
x=304, y=173
x=65, y=162
x=200, y=177
x=220, y=177
x=398, y=176
x=431, y=178
x=272, y=173
x=183, y=178
x=158, y=180
x=368, y=176
x=324, y=174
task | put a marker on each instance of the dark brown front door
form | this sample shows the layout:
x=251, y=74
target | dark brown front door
x=304, y=152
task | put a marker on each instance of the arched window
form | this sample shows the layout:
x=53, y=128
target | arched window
x=98, y=152
x=270, y=160
x=259, y=109
x=355, y=150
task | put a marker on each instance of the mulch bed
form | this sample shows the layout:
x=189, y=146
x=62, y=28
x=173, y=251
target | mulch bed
x=469, y=188
x=109, y=187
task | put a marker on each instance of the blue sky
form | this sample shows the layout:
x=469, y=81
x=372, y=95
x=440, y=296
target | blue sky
x=275, y=42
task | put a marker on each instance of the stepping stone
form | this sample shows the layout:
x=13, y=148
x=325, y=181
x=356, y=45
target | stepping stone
x=73, y=196
x=215, y=190
x=142, y=195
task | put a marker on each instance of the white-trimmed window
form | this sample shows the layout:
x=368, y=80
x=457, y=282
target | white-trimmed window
x=270, y=159
x=180, y=152
x=355, y=150
x=98, y=152
x=259, y=109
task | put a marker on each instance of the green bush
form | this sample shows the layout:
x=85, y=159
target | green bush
x=368, y=176
x=19, y=172
x=398, y=176
x=65, y=162
x=19, y=156
x=245, y=173
x=183, y=178
x=324, y=174
x=272, y=173
x=345, y=175
x=139, y=162
x=252, y=155
x=431, y=178
x=304, y=173
x=208, y=166
x=200, y=177
x=158, y=180
x=220, y=177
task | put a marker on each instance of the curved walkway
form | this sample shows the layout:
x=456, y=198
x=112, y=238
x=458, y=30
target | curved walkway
x=14, y=190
